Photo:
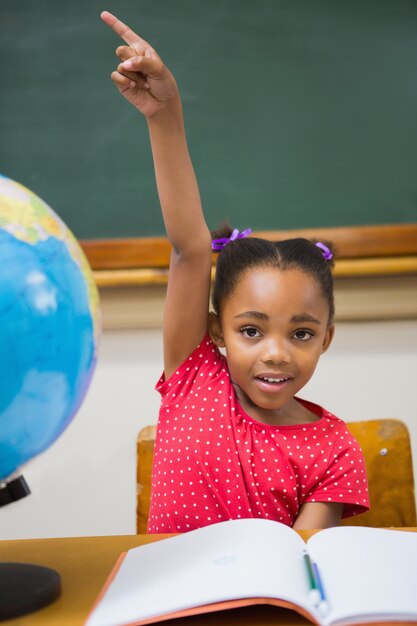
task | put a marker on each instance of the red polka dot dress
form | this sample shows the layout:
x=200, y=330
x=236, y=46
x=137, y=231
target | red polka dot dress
x=213, y=462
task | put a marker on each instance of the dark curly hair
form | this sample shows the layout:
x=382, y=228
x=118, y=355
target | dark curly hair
x=242, y=254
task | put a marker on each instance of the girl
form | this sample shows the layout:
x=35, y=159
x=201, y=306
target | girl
x=233, y=438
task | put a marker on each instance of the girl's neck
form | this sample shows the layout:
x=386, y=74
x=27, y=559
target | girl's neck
x=293, y=413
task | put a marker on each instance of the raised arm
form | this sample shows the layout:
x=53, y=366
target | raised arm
x=144, y=80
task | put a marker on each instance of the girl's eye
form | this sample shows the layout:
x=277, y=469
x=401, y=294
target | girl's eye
x=249, y=331
x=303, y=335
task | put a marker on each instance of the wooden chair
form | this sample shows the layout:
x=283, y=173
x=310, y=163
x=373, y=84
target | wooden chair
x=386, y=447
x=145, y=445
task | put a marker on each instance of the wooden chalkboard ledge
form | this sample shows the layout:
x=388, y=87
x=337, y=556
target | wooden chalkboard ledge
x=344, y=268
x=361, y=250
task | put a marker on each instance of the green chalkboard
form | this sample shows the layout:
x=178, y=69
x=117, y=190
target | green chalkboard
x=299, y=113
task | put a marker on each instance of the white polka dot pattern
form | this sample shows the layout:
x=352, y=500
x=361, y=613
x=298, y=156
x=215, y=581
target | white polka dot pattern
x=213, y=462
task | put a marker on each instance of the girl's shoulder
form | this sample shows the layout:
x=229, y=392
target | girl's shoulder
x=325, y=417
x=331, y=427
x=204, y=363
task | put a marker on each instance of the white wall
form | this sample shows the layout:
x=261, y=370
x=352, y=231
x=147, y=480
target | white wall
x=85, y=483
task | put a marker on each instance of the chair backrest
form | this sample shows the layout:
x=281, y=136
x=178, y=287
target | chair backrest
x=145, y=446
x=386, y=447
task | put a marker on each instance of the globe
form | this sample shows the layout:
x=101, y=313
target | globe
x=49, y=326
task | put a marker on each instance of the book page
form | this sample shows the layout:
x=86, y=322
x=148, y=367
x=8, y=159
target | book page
x=369, y=574
x=245, y=558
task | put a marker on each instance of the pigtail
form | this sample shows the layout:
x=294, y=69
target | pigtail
x=328, y=250
x=223, y=231
x=218, y=244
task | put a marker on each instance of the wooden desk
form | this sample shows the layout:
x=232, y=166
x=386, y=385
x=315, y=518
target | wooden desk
x=84, y=564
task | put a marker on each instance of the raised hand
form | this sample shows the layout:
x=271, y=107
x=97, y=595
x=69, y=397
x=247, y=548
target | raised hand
x=141, y=77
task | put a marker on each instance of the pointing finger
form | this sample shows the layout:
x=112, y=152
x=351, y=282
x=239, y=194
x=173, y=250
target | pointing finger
x=121, y=29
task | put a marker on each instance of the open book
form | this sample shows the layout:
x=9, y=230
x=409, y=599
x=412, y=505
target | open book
x=367, y=575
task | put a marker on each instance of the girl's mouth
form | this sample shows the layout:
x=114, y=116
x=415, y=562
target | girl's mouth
x=271, y=384
x=274, y=381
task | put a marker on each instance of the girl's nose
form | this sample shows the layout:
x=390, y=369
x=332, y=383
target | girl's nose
x=277, y=351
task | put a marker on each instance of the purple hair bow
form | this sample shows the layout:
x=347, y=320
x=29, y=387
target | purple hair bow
x=326, y=252
x=219, y=244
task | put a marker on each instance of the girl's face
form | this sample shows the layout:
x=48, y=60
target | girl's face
x=274, y=327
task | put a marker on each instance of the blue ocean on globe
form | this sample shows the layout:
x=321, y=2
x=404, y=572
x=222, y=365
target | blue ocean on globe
x=49, y=326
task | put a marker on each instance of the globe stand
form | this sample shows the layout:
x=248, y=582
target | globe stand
x=24, y=587
x=13, y=490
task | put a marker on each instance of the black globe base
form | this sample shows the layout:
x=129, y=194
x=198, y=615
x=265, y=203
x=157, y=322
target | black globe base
x=13, y=490
x=25, y=588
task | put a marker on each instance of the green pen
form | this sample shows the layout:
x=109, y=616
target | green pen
x=314, y=594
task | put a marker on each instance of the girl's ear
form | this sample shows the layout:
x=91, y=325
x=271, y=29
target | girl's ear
x=328, y=337
x=215, y=330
